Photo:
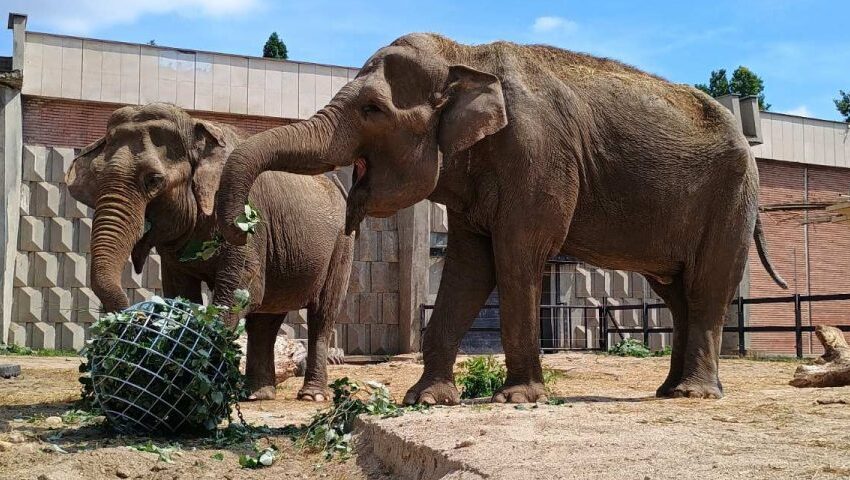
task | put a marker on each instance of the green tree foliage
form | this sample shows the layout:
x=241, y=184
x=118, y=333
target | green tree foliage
x=744, y=83
x=718, y=84
x=275, y=48
x=842, y=103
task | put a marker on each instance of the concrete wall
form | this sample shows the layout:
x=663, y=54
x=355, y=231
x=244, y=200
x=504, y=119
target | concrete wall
x=804, y=140
x=53, y=306
x=96, y=70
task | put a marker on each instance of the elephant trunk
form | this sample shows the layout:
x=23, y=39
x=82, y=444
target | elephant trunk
x=117, y=226
x=302, y=148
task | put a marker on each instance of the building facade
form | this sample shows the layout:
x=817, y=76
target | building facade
x=59, y=91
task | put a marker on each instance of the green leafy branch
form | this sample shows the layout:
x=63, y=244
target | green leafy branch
x=206, y=249
x=330, y=430
x=248, y=221
x=202, y=250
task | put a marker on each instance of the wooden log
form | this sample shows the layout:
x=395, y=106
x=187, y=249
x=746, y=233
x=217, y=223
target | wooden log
x=832, y=369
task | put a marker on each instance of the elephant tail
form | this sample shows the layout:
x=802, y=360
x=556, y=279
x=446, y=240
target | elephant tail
x=761, y=248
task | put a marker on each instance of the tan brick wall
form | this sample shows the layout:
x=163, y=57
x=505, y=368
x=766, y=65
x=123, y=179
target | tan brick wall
x=828, y=245
x=73, y=123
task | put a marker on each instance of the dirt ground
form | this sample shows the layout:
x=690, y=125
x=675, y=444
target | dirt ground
x=609, y=426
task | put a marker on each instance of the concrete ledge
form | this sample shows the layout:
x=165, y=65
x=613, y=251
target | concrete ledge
x=405, y=458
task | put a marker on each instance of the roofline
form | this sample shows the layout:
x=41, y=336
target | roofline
x=189, y=50
x=837, y=122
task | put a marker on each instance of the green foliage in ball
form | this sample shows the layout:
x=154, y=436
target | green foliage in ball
x=163, y=366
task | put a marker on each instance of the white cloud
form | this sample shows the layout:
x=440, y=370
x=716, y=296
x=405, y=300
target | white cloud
x=85, y=16
x=801, y=111
x=553, y=24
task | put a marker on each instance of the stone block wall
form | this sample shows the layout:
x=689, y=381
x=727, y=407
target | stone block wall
x=369, y=320
x=53, y=305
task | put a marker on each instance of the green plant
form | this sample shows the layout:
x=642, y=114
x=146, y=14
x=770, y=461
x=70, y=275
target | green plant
x=630, y=347
x=664, y=352
x=189, y=348
x=330, y=430
x=206, y=249
x=480, y=376
x=263, y=458
x=202, y=250
x=248, y=220
x=13, y=349
x=164, y=453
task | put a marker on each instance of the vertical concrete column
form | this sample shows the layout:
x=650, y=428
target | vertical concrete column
x=414, y=231
x=11, y=145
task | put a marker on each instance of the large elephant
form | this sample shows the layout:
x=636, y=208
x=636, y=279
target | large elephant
x=152, y=181
x=535, y=151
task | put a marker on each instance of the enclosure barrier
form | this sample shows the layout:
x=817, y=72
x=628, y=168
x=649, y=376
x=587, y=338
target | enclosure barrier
x=605, y=315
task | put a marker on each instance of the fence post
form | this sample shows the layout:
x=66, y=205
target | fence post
x=645, y=323
x=603, y=322
x=742, y=345
x=798, y=325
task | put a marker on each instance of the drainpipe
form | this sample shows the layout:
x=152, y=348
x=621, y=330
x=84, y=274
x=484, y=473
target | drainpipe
x=806, y=249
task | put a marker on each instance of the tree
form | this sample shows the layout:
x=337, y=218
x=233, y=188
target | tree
x=275, y=48
x=745, y=82
x=718, y=84
x=152, y=43
x=842, y=103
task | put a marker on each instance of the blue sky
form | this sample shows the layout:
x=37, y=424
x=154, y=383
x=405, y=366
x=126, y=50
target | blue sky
x=799, y=47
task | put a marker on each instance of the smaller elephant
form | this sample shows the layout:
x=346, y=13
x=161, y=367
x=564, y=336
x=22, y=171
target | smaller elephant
x=152, y=181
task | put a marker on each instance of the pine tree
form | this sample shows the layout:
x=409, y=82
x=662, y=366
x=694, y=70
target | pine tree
x=275, y=48
x=842, y=103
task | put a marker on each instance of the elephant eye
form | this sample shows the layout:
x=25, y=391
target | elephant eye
x=371, y=109
x=154, y=182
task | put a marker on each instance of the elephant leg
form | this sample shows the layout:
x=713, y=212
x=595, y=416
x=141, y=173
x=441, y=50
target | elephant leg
x=260, y=377
x=320, y=321
x=709, y=286
x=468, y=279
x=674, y=296
x=520, y=273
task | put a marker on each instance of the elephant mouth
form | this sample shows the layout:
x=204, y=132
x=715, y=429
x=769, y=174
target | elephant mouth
x=356, y=207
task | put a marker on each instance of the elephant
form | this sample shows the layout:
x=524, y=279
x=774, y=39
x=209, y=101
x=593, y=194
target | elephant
x=152, y=181
x=535, y=151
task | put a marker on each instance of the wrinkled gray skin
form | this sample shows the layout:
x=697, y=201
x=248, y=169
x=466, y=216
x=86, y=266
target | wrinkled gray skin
x=535, y=151
x=158, y=163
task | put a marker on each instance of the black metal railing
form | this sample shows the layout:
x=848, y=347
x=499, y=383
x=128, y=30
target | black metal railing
x=608, y=325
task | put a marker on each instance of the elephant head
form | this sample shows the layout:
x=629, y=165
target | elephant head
x=411, y=101
x=151, y=179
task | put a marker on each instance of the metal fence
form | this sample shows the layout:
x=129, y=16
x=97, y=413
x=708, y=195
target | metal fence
x=607, y=325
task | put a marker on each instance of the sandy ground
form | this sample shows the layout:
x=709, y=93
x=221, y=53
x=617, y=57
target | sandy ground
x=608, y=427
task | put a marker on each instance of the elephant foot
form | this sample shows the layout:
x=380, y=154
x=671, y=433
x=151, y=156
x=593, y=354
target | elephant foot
x=521, y=393
x=313, y=393
x=691, y=389
x=432, y=392
x=262, y=393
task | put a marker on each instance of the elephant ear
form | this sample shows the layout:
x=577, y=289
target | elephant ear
x=474, y=108
x=81, y=177
x=211, y=150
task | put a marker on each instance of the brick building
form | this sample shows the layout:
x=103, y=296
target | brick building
x=58, y=91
